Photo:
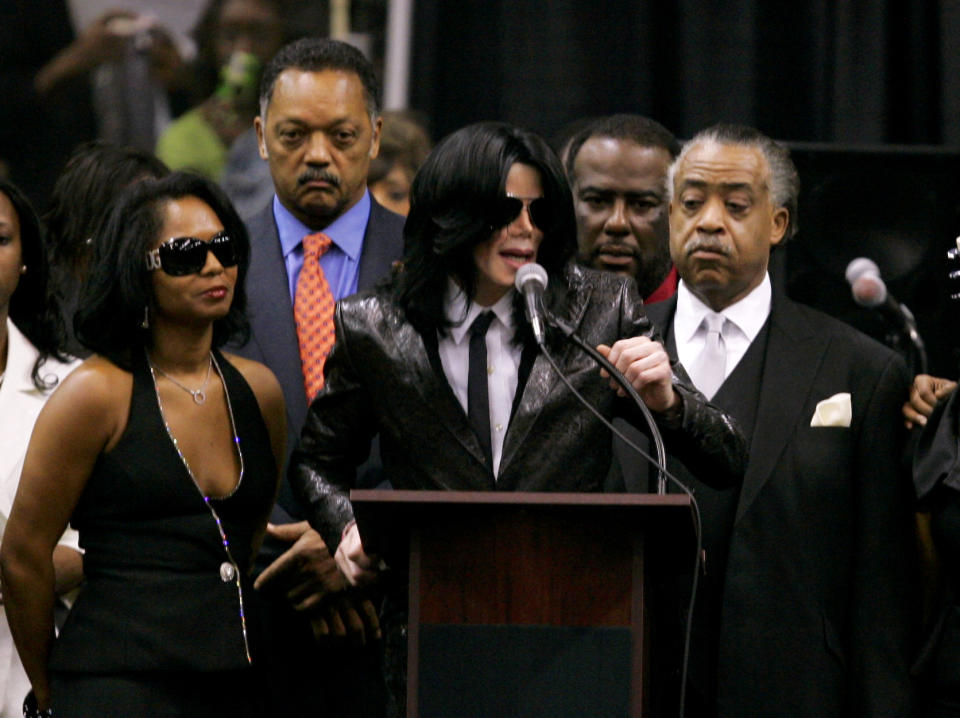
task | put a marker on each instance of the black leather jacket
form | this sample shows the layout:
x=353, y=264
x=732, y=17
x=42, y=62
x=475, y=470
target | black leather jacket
x=380, y=380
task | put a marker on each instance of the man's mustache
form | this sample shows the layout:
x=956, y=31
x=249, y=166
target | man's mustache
x=619, y=248
x=311, y=175
x=707, y=244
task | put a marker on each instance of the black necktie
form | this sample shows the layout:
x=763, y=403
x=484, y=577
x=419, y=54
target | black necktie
x=478, y=402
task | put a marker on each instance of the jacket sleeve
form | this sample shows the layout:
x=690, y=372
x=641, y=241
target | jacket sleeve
x=699, y=433
x=335, y=440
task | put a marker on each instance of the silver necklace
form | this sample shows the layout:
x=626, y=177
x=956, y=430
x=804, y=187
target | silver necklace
x=198, y=394
x=229, y=570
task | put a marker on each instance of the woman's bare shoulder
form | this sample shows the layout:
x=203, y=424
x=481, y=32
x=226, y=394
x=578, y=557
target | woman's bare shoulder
x=97, y=381
x=95, y=397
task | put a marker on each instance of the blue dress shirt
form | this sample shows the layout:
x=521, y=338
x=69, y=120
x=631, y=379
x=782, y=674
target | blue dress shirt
x=340, y=263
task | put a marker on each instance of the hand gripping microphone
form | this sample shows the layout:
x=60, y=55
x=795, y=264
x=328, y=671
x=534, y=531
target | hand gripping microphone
x=531, y=281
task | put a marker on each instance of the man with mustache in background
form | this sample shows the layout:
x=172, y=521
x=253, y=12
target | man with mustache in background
x=321, y=238
x=617, y=168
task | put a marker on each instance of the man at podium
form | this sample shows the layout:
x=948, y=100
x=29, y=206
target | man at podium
x=490, y=199
x=440, y=362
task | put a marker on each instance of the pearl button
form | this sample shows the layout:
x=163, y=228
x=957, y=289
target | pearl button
x=499, y=427
x=489, y=370
x=228, y=572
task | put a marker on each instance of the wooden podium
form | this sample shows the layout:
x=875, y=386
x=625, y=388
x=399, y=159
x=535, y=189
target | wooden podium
x=527, y=604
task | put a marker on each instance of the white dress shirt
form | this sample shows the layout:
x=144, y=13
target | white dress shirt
x=503, y=359
x=745, y=319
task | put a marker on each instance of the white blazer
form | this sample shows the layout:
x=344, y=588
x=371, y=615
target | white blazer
x=20, y=404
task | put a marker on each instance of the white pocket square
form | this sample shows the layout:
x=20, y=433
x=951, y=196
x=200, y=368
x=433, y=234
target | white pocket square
x=835, y=411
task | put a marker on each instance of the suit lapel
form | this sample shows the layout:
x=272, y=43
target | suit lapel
x=274, y=330
x=538, y=386
x=795, y=352
x=382, y=245
x=435, y=392
x=661, y=314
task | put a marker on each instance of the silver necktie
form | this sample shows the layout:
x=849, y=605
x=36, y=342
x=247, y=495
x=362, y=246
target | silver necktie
x=710, y=367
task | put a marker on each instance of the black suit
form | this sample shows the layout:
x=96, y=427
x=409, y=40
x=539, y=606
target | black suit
x=815, y=619
x=306, y=679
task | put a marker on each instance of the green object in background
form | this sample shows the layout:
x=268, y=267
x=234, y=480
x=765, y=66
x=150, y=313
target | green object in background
x=191, y=143
x=239, y=79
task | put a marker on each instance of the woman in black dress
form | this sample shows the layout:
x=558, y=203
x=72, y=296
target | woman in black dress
x=164, y=454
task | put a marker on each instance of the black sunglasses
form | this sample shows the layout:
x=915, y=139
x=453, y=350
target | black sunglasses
x=188, y=255
x=508, y=208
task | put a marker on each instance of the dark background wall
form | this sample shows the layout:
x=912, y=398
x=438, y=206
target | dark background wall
x=853, y=71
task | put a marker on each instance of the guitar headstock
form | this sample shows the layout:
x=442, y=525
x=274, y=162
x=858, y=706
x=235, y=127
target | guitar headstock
x=953, y=271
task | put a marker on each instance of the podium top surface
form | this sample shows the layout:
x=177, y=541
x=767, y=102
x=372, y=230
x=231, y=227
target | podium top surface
x=385, y=517
x=538, y=498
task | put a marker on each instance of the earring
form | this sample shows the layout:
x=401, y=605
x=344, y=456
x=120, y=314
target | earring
x=145, y=324
x=23, y=269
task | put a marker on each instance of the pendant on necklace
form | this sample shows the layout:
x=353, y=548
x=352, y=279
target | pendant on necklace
x=198, y=396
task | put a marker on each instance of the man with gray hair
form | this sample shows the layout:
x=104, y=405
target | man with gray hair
x=806, y=603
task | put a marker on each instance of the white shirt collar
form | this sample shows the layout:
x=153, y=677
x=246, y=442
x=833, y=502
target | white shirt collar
x=748, y=314
x=455, y=302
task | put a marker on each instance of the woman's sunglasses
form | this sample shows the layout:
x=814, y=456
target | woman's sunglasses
x=188, y=255
x=508, y=208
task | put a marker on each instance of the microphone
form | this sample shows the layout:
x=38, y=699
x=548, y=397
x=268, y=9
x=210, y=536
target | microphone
x=870, y=291
x=531, y=281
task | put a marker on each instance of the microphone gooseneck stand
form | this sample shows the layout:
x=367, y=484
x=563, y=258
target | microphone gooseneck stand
x=660, y=462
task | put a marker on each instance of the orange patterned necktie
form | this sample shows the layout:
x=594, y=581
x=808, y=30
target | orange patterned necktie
x=313, y=312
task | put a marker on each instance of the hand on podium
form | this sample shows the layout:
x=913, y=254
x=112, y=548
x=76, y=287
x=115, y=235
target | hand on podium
x=357, y=567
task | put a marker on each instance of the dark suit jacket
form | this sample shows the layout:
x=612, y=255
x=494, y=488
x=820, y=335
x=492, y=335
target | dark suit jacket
x=273, y=339
x=380, y=378
x=817, y=603
x=305, y=678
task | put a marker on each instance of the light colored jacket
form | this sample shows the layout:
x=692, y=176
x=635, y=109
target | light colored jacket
x=20, y=404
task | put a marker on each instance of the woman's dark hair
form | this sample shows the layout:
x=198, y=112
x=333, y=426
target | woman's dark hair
x=119, y=288
x=92, y=178
x=452, y=205
x=32, y=308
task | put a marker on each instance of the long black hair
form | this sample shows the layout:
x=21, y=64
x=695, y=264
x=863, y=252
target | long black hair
x=119, y=289
x=95, y=174
x=452, y=205
x=32, y=307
